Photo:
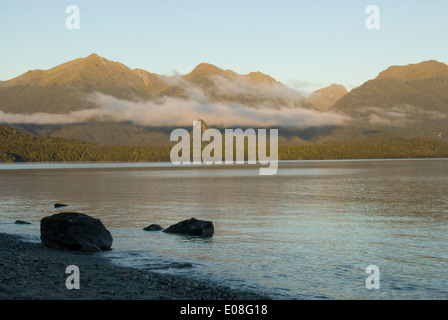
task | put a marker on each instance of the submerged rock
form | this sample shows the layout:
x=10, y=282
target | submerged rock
x=153, y=227
x=74, y=231
x=21, y=222
x=173, y=265
x=60, y=205
x=192, y=227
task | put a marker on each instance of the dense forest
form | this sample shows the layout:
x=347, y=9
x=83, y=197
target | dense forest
x=380, y=146
x=18, y=146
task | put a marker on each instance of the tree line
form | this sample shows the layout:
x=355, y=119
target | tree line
x=18, y=146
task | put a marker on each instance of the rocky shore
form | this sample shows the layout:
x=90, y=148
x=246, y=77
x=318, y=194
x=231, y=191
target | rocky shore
x=30, y=271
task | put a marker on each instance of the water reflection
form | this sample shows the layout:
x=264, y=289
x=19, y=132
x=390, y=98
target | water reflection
x=307, y=232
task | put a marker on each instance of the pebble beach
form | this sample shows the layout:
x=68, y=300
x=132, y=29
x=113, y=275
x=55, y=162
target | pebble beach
x=31, y=271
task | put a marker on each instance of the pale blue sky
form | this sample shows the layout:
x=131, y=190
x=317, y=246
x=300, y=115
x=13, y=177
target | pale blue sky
x=319, y=42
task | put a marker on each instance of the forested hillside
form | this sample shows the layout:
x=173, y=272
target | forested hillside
x=18, y=146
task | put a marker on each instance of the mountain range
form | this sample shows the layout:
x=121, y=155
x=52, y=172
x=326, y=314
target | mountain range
x=407, y=100
x=64, y=88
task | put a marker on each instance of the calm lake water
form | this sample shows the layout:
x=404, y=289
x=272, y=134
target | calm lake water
x=308, y=232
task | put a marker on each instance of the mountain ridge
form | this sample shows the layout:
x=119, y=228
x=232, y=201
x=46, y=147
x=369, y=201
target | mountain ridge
x=409, y=100
x=423, y=85
x=415, y=71
x=65, y=88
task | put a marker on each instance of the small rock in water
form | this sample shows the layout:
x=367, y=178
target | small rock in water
x=60, y=205
x=181, y=265
x=21, y=222
x=192, y=227
x=153, y=227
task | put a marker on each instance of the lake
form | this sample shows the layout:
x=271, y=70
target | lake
x=308, y=232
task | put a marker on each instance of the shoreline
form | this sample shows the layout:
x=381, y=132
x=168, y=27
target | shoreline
x=161, y=165
x=31, y=271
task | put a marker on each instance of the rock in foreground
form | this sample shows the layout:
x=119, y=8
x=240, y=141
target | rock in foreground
x=74, y=231
x=192, y=227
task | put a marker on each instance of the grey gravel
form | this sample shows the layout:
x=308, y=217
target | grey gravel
x=30, y=271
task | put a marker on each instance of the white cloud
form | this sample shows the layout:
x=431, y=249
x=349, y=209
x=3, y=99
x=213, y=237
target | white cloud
x=256, y=90
x=180, y=112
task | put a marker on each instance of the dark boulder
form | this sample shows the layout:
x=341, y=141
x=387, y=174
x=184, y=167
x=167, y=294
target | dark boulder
x=74, y=231
x=153, y=227
x=60, y=205
x=21, y=222
x=192, y=227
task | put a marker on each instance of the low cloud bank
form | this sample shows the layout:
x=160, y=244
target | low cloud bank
x=399, y=116
x=170, y=111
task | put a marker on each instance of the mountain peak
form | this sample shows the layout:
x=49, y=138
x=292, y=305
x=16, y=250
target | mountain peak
x=418, y=71
x=260, y=77
x=201, y=74
x=324, y=98
x=93, y=56
x=206, y=68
